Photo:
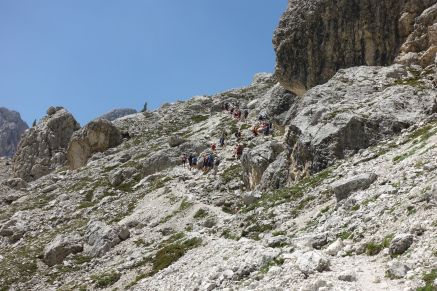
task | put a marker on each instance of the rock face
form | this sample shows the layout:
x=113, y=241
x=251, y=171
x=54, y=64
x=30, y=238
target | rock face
x=11, y=129
x=61, y=247
x=42, y=148
x=316, y=38
x=354, y=110
x=256, y=161
x=117, y=113
x=97, y=136
x=421, y=45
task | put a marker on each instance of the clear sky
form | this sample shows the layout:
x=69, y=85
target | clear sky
x=92, y=56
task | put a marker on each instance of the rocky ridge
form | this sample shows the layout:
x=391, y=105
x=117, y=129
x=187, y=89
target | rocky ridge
x=42, y=148
x=11, y=129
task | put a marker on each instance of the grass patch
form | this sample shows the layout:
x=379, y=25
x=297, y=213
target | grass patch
x=171, y=253
x=411, y=210
x=227, y=234
x=292, y=193
x=158, y=183
x=105, y=279
x=373, y=248
x=229, y=174
x=201, y=213
x=429, y=281
x=199, y=118
x=344, y=235
x=275, y=262
x=356, y=207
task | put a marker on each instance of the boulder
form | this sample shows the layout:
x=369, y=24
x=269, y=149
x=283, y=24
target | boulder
x=11, y=129
x=16, y=227
x=100, y=237
x=61, y=247
x=400, y=244
x=97, y=136
x=312, y=261
x=343, y=188
x=348, y=276
x=42, y=147
x=335, y=247
x=396, y=269
x=255, y=161
x=316, y=38
x=176, y=140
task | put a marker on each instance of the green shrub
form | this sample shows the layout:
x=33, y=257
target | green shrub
x=172, y=252
x=106, y=279
x=199, y=118
x=201, y=213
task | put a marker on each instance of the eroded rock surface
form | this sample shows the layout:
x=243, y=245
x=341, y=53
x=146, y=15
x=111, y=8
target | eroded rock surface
x=316, y=38
x=42, y=148
x=97, y=136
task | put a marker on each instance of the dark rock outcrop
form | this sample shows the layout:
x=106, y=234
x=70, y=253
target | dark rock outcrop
x=316, y=38
x=42, y=148
x=11, y=129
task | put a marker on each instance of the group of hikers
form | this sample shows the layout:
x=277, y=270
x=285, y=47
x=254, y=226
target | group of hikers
x=235, y=111
x=206, y=162
x=210, y=160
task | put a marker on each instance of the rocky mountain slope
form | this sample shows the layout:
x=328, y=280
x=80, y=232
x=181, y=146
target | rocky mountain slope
x=341, y=194
x=11, y=129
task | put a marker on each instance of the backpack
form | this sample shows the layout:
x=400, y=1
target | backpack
x=194, y=160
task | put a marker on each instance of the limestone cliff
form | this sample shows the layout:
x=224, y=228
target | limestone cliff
x=316, y=38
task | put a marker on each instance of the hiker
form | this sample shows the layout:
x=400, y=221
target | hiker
x=205, y=162
x=190, y=161
x=238, y=135
x=222, y=141
x=255, y=130
x=210, y=161
x=266, y=128
x=237, y=114
x=246, y=114
x=213, y=147
x=262, y=116
x=184, y=160
x=238, y=151
x=216, y=165
x=226, y=106
x=194, y=161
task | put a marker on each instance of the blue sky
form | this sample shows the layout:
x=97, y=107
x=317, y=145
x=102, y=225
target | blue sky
x=92, y=56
